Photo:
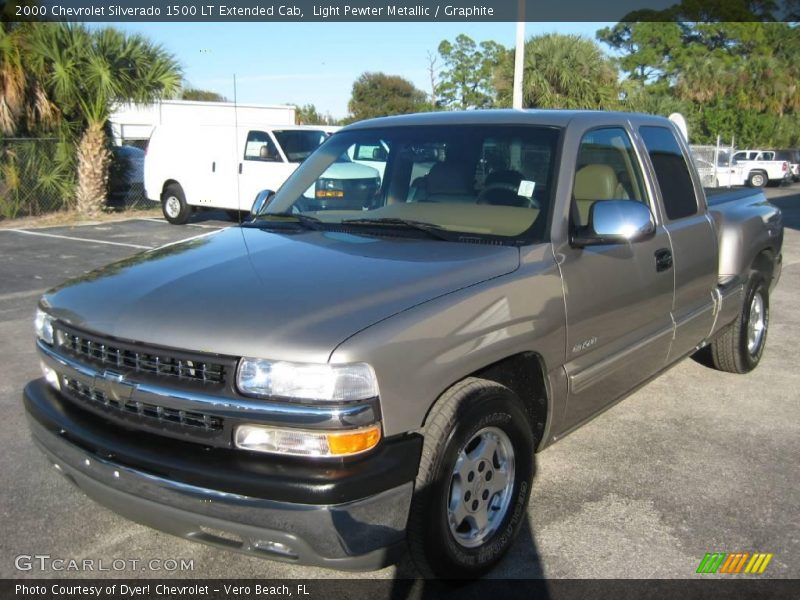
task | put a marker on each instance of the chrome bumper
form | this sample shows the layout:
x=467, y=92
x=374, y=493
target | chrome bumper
x=360, y=535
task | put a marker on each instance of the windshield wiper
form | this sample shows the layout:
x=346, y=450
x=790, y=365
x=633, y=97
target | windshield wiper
x=268, y=219
x=433, y=231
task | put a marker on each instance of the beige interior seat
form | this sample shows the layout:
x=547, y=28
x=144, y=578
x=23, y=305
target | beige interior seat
x=595, y=182
x=448, y=182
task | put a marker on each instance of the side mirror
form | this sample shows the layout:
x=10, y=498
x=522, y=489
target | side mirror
x=263, y=198
x=616, y=222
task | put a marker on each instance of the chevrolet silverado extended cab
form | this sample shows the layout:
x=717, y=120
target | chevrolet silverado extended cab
x=330, y=385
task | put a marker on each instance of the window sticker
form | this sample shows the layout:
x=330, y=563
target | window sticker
x=526, y=188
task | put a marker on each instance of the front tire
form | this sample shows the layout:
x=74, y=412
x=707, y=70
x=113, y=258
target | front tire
x=741, y=345
x=474, y=481
x=173, y=204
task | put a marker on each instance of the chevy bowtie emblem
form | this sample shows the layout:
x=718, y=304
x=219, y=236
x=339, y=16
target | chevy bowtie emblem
x=114, y=386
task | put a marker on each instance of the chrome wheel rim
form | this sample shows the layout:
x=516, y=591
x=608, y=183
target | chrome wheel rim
x=172, y=207
x=480, y=487
x=756, y=324
x=758, y=180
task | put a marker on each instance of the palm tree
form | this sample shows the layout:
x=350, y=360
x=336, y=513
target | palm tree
x=84, y=73
x=12, y=78
x=24, y=105
x=562, y=71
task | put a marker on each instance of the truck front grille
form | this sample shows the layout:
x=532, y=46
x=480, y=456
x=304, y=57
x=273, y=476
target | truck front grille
x=108, y=353
x=97, y=398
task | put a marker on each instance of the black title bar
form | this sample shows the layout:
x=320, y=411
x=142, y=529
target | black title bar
x=377, y=589
x=463, y=11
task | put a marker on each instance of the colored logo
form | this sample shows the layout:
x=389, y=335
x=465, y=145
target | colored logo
x=734, y=562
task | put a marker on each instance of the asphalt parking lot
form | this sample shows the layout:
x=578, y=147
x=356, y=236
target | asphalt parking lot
x=697, y=461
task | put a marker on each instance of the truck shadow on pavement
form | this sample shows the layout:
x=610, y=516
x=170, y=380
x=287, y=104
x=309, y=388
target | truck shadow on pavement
x=790, y=207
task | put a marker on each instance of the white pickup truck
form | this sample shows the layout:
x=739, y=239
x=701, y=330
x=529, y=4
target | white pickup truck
x=759, y=167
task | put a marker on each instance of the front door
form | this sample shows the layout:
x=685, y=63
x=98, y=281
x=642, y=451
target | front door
x=618, y=296
x=262, y=167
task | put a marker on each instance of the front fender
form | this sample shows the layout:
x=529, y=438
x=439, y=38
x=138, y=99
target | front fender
x=420, y=352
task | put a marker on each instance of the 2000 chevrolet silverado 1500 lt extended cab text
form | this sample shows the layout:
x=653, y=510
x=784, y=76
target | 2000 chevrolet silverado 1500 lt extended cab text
x=330, y=385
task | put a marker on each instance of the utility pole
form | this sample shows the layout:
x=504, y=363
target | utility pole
x=519, y=56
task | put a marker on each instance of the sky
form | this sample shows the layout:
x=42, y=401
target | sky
x=316, y=63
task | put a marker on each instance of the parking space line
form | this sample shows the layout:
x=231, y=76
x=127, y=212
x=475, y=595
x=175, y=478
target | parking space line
x=163, y=222
x=194, y=237
x=79, y=239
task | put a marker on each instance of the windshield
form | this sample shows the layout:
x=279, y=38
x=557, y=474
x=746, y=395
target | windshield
x=298, y=144
x=475, y=181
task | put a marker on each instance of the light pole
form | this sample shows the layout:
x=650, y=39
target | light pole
x=519, y=56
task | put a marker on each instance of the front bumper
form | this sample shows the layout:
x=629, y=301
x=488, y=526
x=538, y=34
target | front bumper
x=346, y=516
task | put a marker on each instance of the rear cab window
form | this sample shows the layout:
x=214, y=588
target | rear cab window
x=672, y=172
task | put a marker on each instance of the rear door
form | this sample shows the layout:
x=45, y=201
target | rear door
x=695, y=252
x=618, y=298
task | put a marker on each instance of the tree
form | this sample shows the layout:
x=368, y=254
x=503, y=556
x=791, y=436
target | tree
x=466, y=80
x=198, y=95
x=379, y=95
x=24, y=106
x=433, y=74
x=309, y=115
x=83, y=73
x=561, y=71
x=729, y=78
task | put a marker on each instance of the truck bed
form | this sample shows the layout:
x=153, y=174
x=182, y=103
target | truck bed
x=715, y=196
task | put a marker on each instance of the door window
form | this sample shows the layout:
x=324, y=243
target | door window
x=607, y=169
x=260, y=147
x=672, y=172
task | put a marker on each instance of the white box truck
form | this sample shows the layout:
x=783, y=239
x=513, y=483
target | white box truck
x=226, y=166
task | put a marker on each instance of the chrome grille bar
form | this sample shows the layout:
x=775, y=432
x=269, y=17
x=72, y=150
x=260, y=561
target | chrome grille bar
x=142, y=409
x=153, y=362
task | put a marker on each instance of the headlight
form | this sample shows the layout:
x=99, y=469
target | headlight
x=343, y=383
x=297, y=442
x=43, y=324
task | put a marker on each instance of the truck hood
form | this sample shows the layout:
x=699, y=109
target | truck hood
x=290, y=296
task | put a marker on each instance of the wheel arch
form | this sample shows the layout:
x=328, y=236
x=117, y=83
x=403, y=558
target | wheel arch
x=169, y=182
x=525, y=374
x=764, y=263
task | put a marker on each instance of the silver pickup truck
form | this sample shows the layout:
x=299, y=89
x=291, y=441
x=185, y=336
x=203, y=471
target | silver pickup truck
x=331, y=385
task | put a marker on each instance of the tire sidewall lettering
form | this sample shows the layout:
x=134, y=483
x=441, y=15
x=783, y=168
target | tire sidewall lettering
x=499, y=543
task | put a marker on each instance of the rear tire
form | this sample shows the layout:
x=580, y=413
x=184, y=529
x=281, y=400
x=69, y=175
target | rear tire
x=474, y=481
x=740, y=347
x=757, y=179
x=173, y=204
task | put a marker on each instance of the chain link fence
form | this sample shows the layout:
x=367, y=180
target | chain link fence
x=38, y=176
x=713, y=163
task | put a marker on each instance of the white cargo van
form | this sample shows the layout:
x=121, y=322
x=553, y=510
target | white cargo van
x=226, y=167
